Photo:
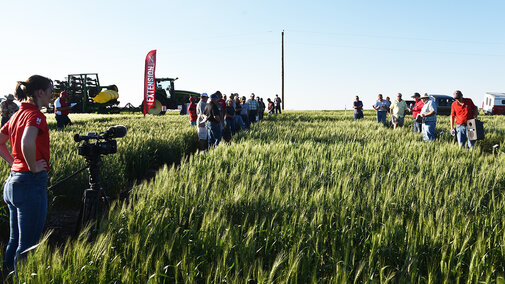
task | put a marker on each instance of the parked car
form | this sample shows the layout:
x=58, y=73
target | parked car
x=494, y=103
x=444, y=103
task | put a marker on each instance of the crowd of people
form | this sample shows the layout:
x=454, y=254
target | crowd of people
x=222, y=116
x=424, y=114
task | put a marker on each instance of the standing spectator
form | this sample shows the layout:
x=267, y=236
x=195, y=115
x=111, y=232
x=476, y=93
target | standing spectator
x=381, y=107
x=229, y=117
x=416, y=110
x=192, y=111
x=253, y=108
x=8, y=108
x=245, y=113
x=221, y=105
x=232, y=99
x=429, y=115
x=213, y=121
x=398, y=110
x=358, y=109
x=463, y=110
x=238, y=118
x=202, y=121
x=277, y=103
x=25, y=188
x=261, y=108
x=270, y=106
x=61, y=110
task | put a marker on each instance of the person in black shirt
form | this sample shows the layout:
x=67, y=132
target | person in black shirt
x=213, y=121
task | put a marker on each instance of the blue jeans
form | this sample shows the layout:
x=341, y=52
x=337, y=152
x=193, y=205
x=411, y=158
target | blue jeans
x=25, y=195
x=381, y=117
x=192, y=123
x=358, y=116
x=252, y=115
x=229, y=126
x=245, y=118
x=462, y=134
x=239, y=122
x=214, y=133
x=417, y=126
x=428, y=129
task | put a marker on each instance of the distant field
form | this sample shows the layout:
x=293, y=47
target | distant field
x=302, y=197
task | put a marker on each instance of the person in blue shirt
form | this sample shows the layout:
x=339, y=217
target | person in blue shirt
x=381, y=106
x=358, y=109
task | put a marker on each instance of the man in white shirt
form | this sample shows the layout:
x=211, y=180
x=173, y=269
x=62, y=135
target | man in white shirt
x=429, y=115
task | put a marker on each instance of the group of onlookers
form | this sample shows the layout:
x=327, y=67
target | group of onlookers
x=424, y=113
x=222, y=116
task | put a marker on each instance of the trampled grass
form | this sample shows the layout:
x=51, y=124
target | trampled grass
x=305, y=197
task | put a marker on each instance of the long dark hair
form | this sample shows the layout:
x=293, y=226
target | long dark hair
x=26, y=89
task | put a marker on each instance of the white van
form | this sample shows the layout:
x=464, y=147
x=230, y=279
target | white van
x=494, y=103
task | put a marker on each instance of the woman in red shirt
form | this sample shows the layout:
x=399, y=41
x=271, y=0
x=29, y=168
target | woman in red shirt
x=25, y=189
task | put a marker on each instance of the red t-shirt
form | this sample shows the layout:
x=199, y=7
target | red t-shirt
x=463, y=112
x=192, y=112
x=418, y=106
x=28, y=115
x=61, y=103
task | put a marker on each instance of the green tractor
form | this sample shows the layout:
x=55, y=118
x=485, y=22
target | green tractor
x=167, y=97
x=89, y=96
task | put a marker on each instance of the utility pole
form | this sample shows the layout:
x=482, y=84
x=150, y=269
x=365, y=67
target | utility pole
x=282, y=69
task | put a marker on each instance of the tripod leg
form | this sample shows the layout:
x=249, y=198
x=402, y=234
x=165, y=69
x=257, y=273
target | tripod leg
x=89, y=210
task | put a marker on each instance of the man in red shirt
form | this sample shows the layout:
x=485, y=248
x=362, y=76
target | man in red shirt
x=463, y=109
x=192, y=111
x=61, y=110
x=416, y=110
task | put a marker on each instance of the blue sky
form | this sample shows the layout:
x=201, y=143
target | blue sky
x=334, y=50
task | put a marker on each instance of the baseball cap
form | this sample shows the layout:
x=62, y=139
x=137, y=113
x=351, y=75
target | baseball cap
x=214, y=96
x=205, y=95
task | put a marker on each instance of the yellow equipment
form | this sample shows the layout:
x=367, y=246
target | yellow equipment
x=105, y=96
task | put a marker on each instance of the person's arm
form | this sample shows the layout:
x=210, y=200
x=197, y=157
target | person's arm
x=57, y=105
x=452, y=122
x=428, y=114
x=28, y=147
x=4, y=151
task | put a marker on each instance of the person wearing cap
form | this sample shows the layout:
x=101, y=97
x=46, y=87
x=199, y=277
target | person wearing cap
x=429, y=115
x=61, y=110
x=463, y=109
x=201, y=121
x=245, y=113
x=358, y=109
x=381, y=107
x=8, y=108
x=416, y=110
x=398, y=109
x=213, y=121
x=253, y=108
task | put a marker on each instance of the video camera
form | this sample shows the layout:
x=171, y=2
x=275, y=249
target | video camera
x=106, y=147
x=94, y=197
